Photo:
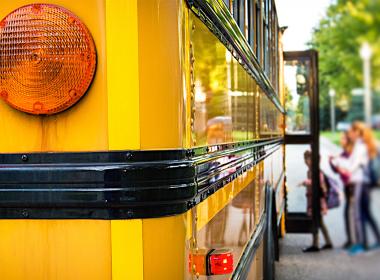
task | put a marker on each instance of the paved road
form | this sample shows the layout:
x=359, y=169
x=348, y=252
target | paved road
x=329, y=265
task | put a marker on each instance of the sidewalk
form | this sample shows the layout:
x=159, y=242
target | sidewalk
x=329, y=265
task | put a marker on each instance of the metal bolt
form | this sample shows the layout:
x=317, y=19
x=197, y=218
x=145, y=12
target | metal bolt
x=128, y=156
x=130, y=214
x=24, y=158
x=25, y=213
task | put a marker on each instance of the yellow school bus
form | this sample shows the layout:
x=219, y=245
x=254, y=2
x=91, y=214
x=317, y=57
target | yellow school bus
x=140, y=139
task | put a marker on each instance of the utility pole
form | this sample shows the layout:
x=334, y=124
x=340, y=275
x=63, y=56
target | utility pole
x=332, y=109
x=366, y=55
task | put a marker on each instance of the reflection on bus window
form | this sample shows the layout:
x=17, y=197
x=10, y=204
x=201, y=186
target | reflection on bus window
x=297, y=90
x=224, y=93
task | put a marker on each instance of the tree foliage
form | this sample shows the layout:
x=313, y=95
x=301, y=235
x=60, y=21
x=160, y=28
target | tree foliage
x=338, y=38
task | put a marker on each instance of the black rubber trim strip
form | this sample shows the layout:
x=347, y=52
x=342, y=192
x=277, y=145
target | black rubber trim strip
x=208, y=266
x=121, y=185
x=219, y=20
x=242, y=269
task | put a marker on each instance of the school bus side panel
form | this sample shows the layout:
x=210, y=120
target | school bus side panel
x=55, y=249
x=162, y=94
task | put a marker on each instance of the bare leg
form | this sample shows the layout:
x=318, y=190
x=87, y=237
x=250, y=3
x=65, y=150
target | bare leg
x=325, y=232
x=316, y=239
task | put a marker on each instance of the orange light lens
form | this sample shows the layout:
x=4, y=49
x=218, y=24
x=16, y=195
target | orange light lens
x=197, y=263
x=47, y=59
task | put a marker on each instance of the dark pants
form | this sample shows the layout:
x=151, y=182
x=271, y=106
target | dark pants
x=367, y=217
x=347, y=212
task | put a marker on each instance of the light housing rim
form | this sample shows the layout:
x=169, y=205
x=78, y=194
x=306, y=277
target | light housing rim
x=87, y=79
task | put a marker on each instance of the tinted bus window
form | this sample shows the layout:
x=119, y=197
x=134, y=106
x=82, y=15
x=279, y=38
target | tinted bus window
x=238, y=11
x=251, y=24
x=241, y=21
x=235, y=9
x=258, y=31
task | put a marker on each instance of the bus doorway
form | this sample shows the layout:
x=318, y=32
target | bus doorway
x=302, y=141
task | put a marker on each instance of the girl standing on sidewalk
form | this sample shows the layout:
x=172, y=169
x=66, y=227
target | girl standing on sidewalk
x=357, y=166
x=323, y=206
x=364, y=151
x=337, y=164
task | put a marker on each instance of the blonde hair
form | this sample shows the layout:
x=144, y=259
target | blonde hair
x=367, y=136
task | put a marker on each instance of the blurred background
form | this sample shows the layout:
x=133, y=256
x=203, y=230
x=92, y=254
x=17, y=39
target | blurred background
x=346, y=33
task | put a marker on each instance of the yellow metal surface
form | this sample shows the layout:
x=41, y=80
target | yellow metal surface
x=164, y=247
x=283, y=225
x=187, y=74
x=82, y=127
x=208, y=208
x=160, y=72
x=122, y=74
x=127, y=249
x=55, y=250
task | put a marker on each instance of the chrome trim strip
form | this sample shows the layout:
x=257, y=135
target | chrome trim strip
x=278, y=188
x=219, y=20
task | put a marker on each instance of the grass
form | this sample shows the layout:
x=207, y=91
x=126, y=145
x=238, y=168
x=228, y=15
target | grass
x=335, y=137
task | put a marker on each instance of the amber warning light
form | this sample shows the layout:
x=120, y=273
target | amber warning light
x=47, y=59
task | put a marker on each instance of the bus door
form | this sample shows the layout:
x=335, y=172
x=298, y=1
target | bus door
x=302, y=141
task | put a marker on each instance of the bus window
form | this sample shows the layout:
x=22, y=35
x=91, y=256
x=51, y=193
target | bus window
x=258, y=25
x=241, y=21
x=235, y=8
x=251, y=24
x=238, y=10
x=297, y=89
x=265, y=37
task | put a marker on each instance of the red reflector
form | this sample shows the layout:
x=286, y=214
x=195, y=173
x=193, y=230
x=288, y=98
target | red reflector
x=221, y=262
x=47, y=59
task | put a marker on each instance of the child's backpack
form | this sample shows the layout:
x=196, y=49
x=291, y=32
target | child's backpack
x=333, y=194
x=374, y=170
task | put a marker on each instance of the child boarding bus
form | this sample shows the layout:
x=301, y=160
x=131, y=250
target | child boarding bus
x=140, y=139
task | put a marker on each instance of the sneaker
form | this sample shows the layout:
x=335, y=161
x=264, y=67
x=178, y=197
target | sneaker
x=327, y=247
x=356, y=250
x=310, y=249
x=347, y=245
x=375, y=246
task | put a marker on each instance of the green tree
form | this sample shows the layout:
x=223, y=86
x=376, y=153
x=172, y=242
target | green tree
x=338, y=38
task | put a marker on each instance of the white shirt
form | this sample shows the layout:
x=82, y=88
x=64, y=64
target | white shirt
x=358, y=162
